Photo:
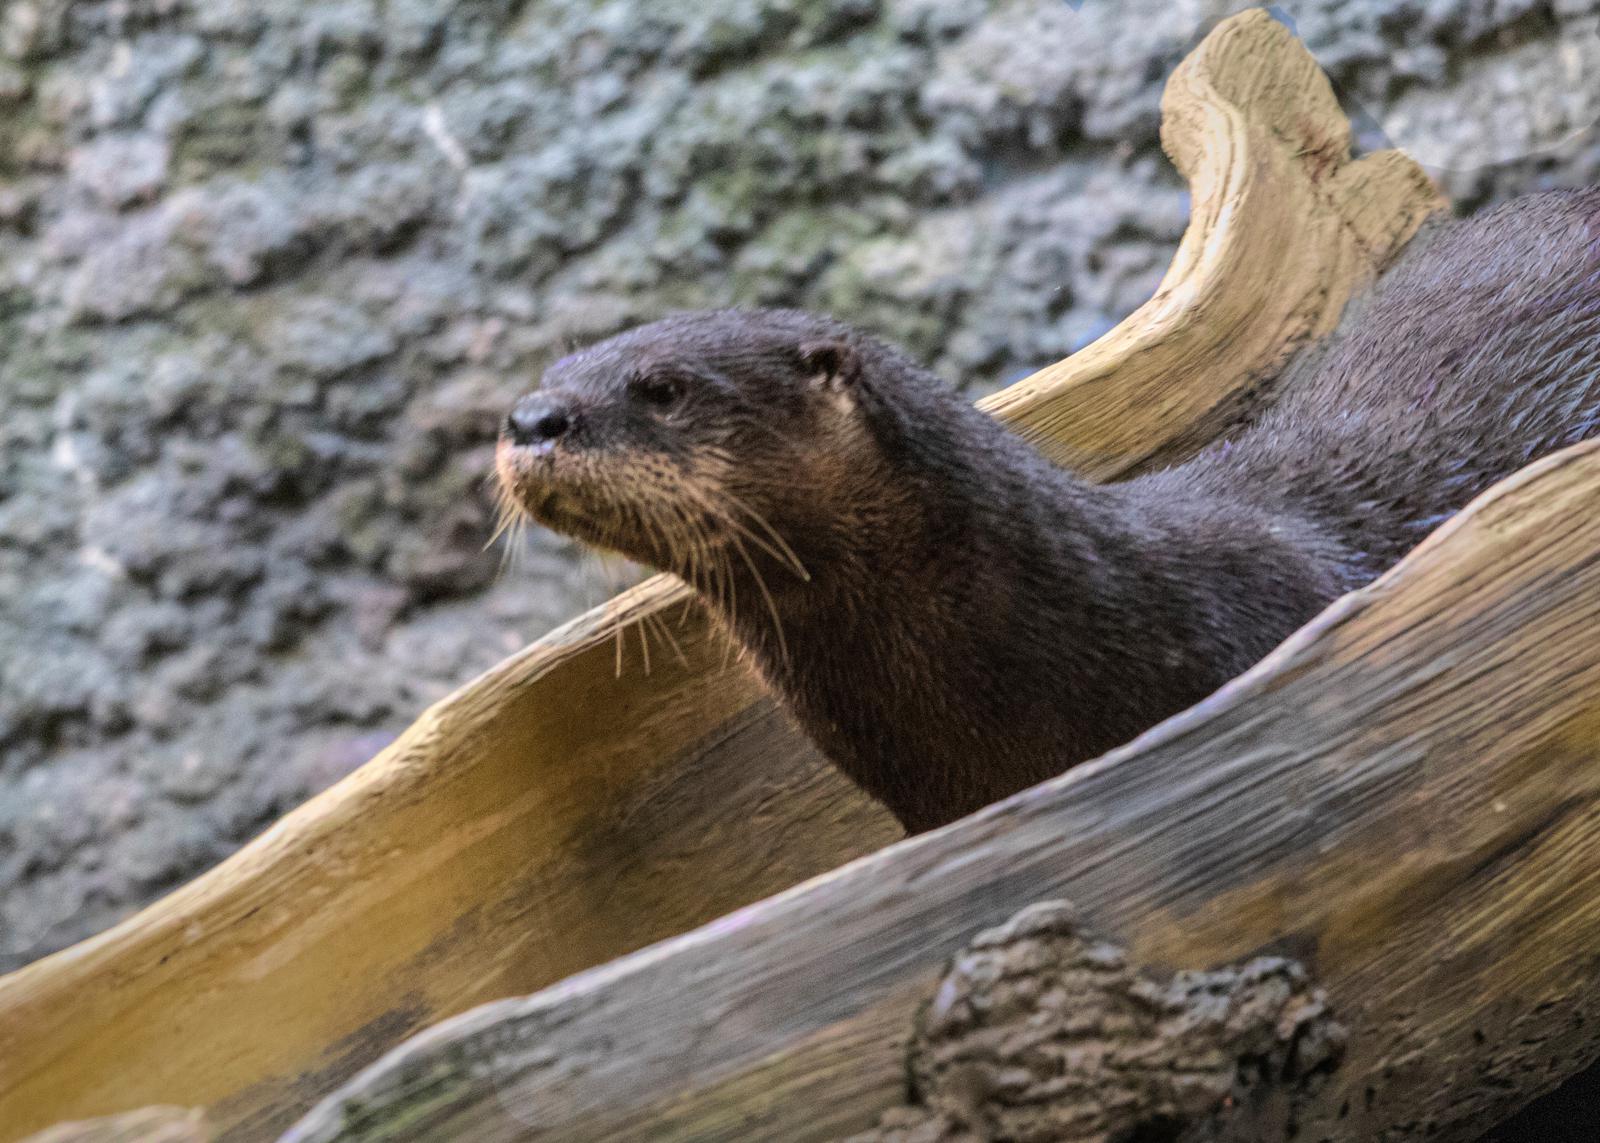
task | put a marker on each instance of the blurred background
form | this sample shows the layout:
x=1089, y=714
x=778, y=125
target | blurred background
x=272, y=270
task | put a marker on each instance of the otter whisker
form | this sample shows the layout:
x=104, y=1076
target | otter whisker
x=772, y=606
x=507, y=512
x=720, y=585
x=682, y=543
x=721, y=589
x=723, y=593
x=513, y=549
x=716, y=509
x=603, y=558
x=656, y=617
x=785, y=553
x=660, y=626
x=656, y=528
x=616, y=626
x=695, y=549
x=644, y=645
x=668, y=540
x=792, y=565
x=511, y=524
x=711, y=566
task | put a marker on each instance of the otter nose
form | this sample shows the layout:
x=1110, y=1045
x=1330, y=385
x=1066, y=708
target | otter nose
x=537, y=418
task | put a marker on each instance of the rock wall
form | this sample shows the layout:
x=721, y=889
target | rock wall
x=270, y=271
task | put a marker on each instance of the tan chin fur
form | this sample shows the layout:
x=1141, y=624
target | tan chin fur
x=640, y=506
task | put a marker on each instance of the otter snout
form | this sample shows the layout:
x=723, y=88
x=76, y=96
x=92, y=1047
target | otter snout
x=540, y=418
x=545, y=471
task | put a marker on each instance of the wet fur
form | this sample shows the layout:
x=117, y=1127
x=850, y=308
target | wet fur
x=974, y=620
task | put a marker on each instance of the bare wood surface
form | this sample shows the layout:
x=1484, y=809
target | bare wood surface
x=1404, y=798
x=552, y=815
x=1253, y=124
x=147, y=1125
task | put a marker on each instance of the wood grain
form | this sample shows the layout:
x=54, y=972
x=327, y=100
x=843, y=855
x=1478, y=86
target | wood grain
x=552, y=814
x=1405, y=797
x=147, y=1125
x=1254, y=126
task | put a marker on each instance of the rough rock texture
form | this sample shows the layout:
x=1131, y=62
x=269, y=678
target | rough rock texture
x=1041, y=1033
x=270, y=270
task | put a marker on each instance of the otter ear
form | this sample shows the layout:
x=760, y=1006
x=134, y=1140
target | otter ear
x=832, y=364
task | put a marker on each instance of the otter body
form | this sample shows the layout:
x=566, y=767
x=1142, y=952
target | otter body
x=950, y=617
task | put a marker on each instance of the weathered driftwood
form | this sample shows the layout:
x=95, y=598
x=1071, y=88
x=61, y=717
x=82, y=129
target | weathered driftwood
x=1043, y=1031
x=1252, y=124
x=147, y=1125
x=1404, y=799
x=552, y=815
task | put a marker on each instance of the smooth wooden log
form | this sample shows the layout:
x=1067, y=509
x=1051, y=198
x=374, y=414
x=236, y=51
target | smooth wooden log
x=554, y=814
x=147, y=1125
x=1404, y=798
x=1285, y=226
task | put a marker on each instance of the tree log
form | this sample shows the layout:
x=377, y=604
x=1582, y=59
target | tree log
x=1403, y=800
x=147, y=1125
x=1041, y=1031
x=556, y=813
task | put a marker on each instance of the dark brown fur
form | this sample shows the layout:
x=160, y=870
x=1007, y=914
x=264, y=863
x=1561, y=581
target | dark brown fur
x=976, y=620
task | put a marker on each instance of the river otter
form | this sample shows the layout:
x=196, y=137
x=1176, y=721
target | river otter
x=952, y=618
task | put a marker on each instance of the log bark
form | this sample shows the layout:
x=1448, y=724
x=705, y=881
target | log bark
x=1403, y=801
x=1042, y=1031
x=556, y=813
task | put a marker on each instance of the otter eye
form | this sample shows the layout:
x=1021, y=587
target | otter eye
x=658, y=392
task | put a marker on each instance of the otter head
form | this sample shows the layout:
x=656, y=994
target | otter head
x=694, y=444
